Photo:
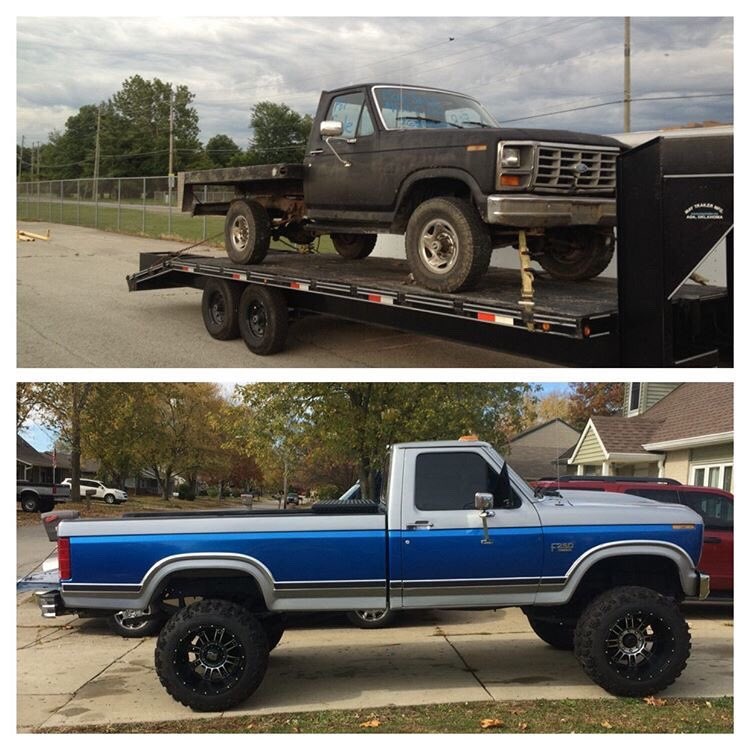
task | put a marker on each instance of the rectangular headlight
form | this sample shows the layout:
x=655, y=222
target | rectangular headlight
x=511, y=157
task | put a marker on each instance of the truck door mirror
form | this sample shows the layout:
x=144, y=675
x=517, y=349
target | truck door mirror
x=483, y=501
x=331, y=128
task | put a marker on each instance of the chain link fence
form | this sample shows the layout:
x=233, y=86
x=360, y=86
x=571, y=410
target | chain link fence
x=131, y=205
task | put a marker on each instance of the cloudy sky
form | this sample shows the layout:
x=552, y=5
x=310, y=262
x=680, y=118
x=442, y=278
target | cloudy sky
x=519, y=67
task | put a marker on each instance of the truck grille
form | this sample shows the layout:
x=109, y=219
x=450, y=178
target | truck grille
x=574, y=169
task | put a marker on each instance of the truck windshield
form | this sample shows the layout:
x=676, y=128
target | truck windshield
x=404, y=108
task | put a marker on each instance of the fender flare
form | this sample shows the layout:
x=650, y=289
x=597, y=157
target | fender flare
x=428, y=173
x=203, y=561
x=640, y=547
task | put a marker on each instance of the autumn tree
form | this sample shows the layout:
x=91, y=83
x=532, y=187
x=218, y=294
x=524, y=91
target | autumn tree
x=114, y=428
x=553, y=405
x=180, y=438
x=62, y=406
x=356, y=421
x=594, y=399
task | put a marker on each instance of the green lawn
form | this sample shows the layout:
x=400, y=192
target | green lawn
x=133, y=219
x=616, y=716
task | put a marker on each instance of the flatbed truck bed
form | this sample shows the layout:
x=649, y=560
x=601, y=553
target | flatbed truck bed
x=568, y=324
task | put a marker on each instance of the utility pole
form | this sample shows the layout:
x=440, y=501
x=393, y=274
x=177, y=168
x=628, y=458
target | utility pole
x=20, y=159
x=31, y=165
x=96, y=146
x=626, y=93
x=171, y=138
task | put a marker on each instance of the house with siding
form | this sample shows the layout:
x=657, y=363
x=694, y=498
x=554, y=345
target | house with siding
x=534, y=453
x=680, y=431
x=36, y=466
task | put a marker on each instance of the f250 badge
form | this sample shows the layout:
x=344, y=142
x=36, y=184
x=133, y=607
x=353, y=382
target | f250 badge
x=562, y=546
x=704, y=212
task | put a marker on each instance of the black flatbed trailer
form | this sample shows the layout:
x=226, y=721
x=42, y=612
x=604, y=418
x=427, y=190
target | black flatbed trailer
x=674, y=208
x=570, y=323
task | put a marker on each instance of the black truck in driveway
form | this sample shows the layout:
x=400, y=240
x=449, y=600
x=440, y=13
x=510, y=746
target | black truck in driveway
x=434, y=166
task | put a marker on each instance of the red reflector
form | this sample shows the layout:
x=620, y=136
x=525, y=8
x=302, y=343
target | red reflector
x=236, y=276
x=63, y=557
x=488, y=317
x=54, y=489
x=373, y=297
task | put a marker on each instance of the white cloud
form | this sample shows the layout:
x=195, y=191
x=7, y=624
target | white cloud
x=517, y=66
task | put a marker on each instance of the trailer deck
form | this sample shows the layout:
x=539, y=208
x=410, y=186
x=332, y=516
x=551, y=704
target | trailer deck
x=569, y=322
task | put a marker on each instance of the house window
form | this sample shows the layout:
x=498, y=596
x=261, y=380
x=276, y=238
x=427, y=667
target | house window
x=635, y=398
x=713, y=475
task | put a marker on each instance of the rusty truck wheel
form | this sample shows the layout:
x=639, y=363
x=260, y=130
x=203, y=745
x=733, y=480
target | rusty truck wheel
x=448, y=247
x=354, y=246
x=574, y=254
x=247, y=232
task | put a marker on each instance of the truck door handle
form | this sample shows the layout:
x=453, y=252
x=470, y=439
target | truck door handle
x=316, y=151
x=419, y=525
x=711, y=540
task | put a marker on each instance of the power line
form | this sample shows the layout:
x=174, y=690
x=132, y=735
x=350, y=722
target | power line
x=616, y=101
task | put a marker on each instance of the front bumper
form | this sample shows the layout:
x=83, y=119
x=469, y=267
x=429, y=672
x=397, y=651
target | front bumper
x=704, y=585
x=527, y=211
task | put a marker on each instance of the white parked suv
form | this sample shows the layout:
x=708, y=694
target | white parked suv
x=110, y=495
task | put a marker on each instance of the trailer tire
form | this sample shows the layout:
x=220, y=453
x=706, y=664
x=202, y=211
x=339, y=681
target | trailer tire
x=221, y=299
x=247, y=232
x=211, y=655
x=263, y=318
x=632, y=641
x=354, y=246
x=575, y=254
x=448, y=248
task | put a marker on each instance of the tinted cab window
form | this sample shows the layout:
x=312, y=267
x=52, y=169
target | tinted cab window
x=449, y=481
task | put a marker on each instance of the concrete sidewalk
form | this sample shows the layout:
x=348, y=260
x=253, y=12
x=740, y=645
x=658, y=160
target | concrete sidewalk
x=74, y=672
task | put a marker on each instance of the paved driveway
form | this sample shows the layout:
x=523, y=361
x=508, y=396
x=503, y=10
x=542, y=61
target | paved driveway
x=73, y=672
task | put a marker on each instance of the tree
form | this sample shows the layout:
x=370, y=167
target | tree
x=222, y=151
x=595, y=399
x=180, y=435
x=279, y=133
x=113, y=428
x=62, y=406
x=555, y=405
x=142, y=108
x=356, y=421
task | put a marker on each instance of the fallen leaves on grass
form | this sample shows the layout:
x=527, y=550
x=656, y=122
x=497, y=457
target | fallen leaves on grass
x=650, y=700
x=370, y=724
x=491, y=723
x=606, y=725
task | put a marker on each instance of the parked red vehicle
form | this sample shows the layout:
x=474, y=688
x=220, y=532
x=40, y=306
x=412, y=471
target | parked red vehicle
x=715, y=506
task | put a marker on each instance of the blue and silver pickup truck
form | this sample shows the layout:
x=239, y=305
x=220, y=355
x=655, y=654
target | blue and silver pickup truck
x=598, y=573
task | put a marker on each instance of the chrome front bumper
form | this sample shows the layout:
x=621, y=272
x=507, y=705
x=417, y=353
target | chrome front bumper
x=704, y=585
x=526, y=211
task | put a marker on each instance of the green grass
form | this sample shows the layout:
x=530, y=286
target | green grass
x=618, y=716
x=134, y=220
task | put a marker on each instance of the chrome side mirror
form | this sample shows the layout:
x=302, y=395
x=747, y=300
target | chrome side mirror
x=483, y=501
x=331, y=128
